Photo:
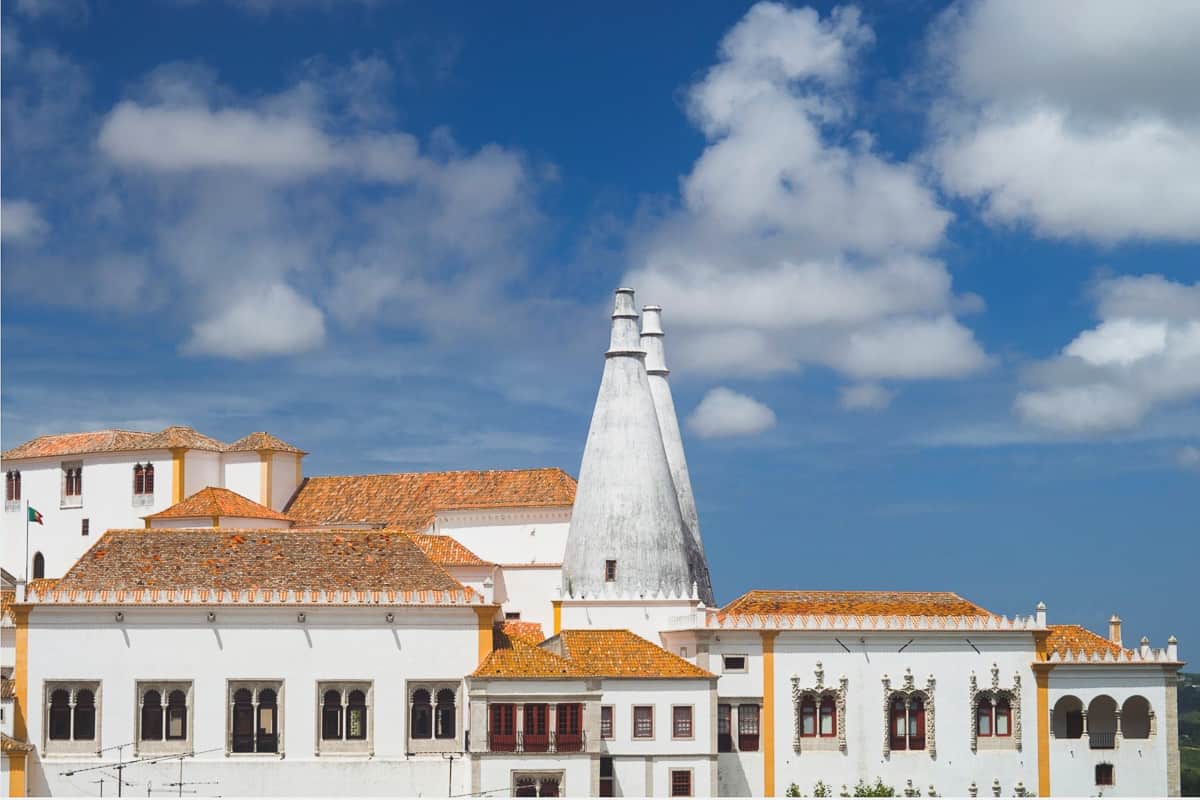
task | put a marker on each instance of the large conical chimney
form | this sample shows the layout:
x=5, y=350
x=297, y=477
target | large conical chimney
x=626, y=535
x=668, y=425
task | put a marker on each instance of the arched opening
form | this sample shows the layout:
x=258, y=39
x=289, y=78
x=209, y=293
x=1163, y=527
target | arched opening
x=808, y=716
x=983, y=716
x=1067, y=718
x=828, y=725
x=85, y=715
x=445, y=714
x=60, y=714
x=331, y=715
x=422, y=715
x=267, y=740
x=177, y=715
x=152, y=717
x=39, y=566
x=356, y=715
x=1102, y=723
x=1135, y=718
x=1003, y=726
x=243, y=721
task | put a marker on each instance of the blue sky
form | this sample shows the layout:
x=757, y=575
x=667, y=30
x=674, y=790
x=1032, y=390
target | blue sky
x=928, y=270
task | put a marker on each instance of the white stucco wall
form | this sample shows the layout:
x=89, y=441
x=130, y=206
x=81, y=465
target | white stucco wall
x=529, y=590
x=283, y=479
x=107, y=503
x=509, y=536
x=201, y=469
x=243, y=474
x=175, y=644
x=646, y=618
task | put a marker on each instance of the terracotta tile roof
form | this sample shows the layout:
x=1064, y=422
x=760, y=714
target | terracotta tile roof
x=526, y=631
x=112, y=441
x=447, y=551
x=409, y=500
x=261, y=440
x=42, y=584
x=8, y=688
x=10, y=745
x=214, y=501
x=7, y=598
x=621, y=654
x=275, y=559
x=917, y=604
x=515, y=657
x=1070, y=639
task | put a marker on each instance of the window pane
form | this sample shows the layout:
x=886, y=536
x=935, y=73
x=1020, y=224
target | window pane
x=606, y=723
x=681, y=783
x=682, y=719
x=356, y=722
x=176, y=722
x=152, y=717
x=643, y=722
x=808, y=721
x=828, y=717
x=85, y=716
x=60, y=714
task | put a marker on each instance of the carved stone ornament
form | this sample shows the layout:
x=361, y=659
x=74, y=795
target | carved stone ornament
x=819, y=689
x=908, y=691
x=994, y=693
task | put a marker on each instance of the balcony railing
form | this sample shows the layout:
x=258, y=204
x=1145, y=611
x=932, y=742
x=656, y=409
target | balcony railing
x=522, y=742
x=1102, y=740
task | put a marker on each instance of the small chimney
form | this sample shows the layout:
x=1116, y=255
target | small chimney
x=1040, y=616
x=1144, y=649
x=1172, y=649
x=1114, y=630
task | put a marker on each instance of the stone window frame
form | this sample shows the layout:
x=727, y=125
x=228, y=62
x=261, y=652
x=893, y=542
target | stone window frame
x=345, y=746
x=539, y=775
x=256, y=685
x=908, y=689
x=72, y=746
x=612, y=722
x=633, y=721
x=820, y=690
x=691, y=709
x=71, y=500
x=164, y=689
x=995, y=692
x=433, y=744
x=691, y=773
x=734, y=671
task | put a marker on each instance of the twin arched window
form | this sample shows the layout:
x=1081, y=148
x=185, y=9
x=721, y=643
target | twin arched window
x=353, y=713
x=994, y=719
x=72, y=721
x=907, y=728
x=818, y=716
x=161, y=722
x=143, y=480
x=428, y=722
x=255, y=721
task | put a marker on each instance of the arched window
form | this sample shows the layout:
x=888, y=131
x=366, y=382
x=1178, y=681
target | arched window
x=808, y=716
x=148, y=485
x=422, y=715
x=243, y=721
x=331, y=715
x=139, y=479
x=899, y=724
x=1003, y=717
x=85, y=715
x=267, y=738
x=1135, y=718
x=984, y=718
x=152, y=717
x=907, y=725
x=39, y=565
x=445, y=714
x=356, y=715
x=60, y=714
x=1067, y=718
x=828, y=716
x=177, y=715
x=916, y=724
x=12, y=486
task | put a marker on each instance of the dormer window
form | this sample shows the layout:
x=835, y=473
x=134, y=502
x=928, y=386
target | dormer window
x=610, y=570
x=143, y=484
x=72, y=484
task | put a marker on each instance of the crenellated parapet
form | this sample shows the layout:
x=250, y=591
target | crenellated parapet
x=715, y=620
x=254, y=597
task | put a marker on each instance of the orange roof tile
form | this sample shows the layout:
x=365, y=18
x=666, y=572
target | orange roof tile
x=181, y=436
x=277, y=559
x=1070, y=639
x=214, y=501
x=515, y=657
x=446, y=550
x=526, y=631
x=261, y=440
x=918, y=604
x=409, y=500
x=8, y=688
x=10, y=745
x=7, y=598
x=621, y=654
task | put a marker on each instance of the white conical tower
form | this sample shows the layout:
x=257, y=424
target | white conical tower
x=668, y=425
x=626, y=536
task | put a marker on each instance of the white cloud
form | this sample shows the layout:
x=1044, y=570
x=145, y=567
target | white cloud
x=1188, y=457
x=269, y=320
x=1079, y=127
x=796, y=242
x=866, y=397
x=1140, y=357
x=723, y=412
x=21, y=221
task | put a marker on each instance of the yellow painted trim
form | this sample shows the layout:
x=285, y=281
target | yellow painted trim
x=1041, y=674
x=299, y=470
x=177, y=473
x=216, y=521
x=264, y=477
x=768, y=712
x=485, y=631
x=557, y=606
x=16, y=775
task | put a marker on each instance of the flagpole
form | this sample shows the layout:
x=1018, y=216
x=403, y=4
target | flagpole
x=26, y=542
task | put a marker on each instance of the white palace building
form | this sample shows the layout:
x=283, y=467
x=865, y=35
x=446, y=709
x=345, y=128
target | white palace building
x=195, y=617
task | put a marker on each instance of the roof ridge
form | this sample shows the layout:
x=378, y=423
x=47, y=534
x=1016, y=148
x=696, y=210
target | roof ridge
x=442, y=472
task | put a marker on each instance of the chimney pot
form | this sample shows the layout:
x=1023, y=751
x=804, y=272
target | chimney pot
x=1114, y=630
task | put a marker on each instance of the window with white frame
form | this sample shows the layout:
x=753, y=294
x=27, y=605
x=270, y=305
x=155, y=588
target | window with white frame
x=346, y=717
x=255, y=717
x=681, y=722
x=72, y=717
x=733, y=663
x=681, y=783
x=72, y=484
x=143, y=484
x=164, y=719
x=643, y=722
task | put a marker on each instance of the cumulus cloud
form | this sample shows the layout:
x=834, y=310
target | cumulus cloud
x=1143, y=354
x=20, y=221
x=724, y=413
x=795, y=241
x=263, y=321
x=866, y=397
x=1077, y=127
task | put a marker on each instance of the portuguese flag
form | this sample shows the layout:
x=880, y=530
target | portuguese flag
x=35, y=516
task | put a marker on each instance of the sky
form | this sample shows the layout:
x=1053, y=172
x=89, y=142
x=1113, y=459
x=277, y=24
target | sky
x=928, y=270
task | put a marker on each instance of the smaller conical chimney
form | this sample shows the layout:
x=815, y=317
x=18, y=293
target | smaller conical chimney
x=1114, y=630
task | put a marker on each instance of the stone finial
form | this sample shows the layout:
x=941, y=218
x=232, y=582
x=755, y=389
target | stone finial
x=624, y=339
x=1114, y=630
x=1144, y=647
x=1172, y=649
